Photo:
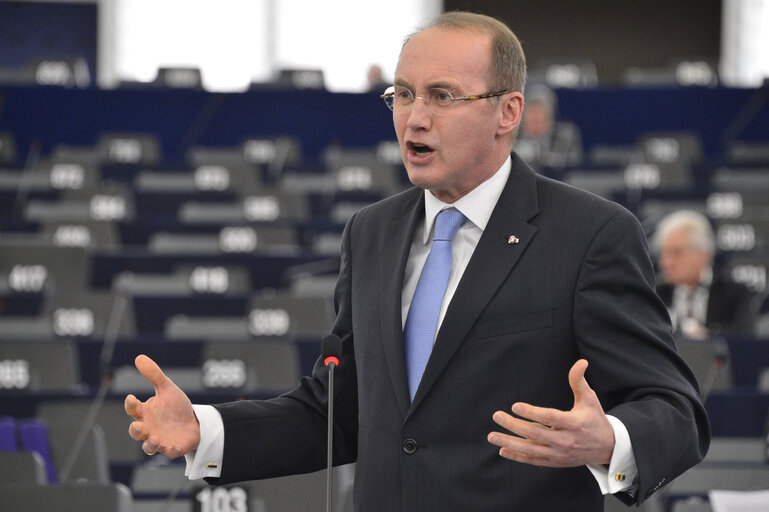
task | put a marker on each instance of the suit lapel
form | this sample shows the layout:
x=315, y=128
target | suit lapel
x=399, y=235
x=492, y=261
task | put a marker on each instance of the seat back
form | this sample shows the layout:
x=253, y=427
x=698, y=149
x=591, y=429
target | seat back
x=70, y=497
x=22, y=467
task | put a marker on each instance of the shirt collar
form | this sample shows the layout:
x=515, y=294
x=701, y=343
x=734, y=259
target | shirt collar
x=476, y=205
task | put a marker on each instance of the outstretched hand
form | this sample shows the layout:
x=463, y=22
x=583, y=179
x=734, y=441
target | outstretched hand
x=165, y=422
x=555, y=438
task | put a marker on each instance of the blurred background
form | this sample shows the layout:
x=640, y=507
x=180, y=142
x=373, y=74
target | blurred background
x=175, y=177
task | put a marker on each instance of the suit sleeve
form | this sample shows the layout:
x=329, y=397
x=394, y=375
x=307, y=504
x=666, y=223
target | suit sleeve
x=287, y=435
x=622, y=328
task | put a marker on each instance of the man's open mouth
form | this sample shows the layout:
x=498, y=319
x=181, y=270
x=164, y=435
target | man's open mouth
x=419, y=149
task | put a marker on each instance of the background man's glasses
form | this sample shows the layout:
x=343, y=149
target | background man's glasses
x=399, y=99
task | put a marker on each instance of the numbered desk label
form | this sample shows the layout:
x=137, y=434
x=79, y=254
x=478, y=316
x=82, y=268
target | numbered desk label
x=14, y=374
x=221, y=499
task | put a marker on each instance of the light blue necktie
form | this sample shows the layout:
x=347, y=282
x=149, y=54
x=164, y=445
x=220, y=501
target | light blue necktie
x=425, y=308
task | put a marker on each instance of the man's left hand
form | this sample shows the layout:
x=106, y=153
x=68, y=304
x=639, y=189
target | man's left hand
x=555, y=438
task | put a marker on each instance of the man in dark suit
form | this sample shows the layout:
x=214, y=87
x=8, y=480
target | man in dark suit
x=700, y=303
x=485, y=287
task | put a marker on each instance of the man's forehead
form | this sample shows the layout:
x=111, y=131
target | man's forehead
x=445, y=50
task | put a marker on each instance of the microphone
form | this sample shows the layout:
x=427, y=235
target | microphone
x=718, y=362
x=331, y=351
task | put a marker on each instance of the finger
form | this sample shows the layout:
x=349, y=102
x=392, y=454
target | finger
x=517, y=447
x=136, y=431
x=150, y=447
x=151, y=371
x=526, y=451
x=527, y=429
x=544, y=415
x=133, y=407
x=579, y=386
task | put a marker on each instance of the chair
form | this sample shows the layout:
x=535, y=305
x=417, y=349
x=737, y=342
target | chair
x=127, y=379
x=709, y=360
x=266, y=206
x=68, y=497
x=180, y=505
x=736, y=449
x=91, y=314
x=22, y=467
x=34, y=438
x=111, y=417
x=212, y=329
x=53, y=268
x=185, y=281
x=362, y=170
x=280, y=494
x=90, y=464
x=274, y=153
x=602, y=183
x=571, y=74
x=706, y=477
x=45, y=366
x=693, y=504
x=671, y=147
x=153, y=479
x=90, y=234
x=748, y=152
x=269, y=366
x=283, y=315
x=230, y=239
x=129, y=149
x=8, y=442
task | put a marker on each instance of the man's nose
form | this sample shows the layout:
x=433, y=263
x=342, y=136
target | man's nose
x=420, y=114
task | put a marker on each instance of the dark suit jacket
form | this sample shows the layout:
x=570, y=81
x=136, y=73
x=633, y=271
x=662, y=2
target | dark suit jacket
x=729, y=306
x=579, y=284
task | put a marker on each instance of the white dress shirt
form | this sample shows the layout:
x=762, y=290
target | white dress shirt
x=477, y=206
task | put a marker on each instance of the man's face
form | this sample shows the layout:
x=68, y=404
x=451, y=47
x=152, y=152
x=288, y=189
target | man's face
x=537, y=120
x=452, y=153
x=680, y=262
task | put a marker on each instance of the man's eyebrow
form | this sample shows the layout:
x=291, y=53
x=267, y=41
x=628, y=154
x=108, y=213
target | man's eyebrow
x=435, y=85
x=401, y=82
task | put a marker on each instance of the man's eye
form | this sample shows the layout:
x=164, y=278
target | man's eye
x=403, y=94
x=441, y=96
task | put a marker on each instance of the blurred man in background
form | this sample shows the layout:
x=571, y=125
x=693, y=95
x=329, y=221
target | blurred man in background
x=700, y=303
x=543, y=141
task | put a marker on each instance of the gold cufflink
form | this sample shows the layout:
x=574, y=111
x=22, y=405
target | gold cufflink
x=211, y=465
x=620, y=477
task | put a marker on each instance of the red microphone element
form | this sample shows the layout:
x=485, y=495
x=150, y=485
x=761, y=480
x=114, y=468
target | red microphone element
x=331, y=351
x=331, y=348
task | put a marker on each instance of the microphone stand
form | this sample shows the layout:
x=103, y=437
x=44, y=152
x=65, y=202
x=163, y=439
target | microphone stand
x=331, y=351
x=330, y=437
x=110, y=338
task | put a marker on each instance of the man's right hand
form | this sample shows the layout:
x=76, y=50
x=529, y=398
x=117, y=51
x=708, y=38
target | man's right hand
x=165, y=422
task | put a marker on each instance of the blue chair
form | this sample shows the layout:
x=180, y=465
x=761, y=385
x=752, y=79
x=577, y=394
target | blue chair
x=8, y=435
x=34, y=438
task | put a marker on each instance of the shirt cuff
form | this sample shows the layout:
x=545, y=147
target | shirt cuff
x=206, y=461
x=622, y=471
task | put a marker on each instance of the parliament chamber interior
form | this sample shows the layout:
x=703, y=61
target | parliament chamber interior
x=203, y=229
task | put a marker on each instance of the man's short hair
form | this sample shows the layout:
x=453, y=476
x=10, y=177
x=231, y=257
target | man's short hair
x=694, y=224
x=508, y=63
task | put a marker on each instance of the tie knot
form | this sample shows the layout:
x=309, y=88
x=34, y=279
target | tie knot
x=447, y=223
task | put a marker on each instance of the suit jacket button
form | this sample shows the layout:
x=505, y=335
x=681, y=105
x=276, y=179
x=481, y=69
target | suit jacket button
x=409, y=446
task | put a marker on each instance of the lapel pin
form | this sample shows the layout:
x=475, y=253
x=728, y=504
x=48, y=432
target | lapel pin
x=513, y=239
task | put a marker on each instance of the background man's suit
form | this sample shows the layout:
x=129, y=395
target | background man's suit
x=578, y=284
x=729, y=306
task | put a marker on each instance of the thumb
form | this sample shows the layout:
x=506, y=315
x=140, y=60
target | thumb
x=579, y=386
x=151, y=371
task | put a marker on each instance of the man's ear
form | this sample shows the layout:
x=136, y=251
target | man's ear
x=511, y=112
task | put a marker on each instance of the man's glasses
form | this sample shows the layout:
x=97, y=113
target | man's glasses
x=438, y=101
